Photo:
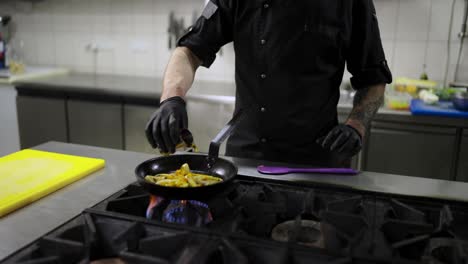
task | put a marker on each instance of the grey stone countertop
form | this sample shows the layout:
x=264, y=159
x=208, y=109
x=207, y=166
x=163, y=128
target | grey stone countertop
x=27, y=224
x=148, y=90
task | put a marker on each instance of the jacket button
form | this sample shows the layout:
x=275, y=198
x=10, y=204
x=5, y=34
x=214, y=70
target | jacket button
x=263, y=140
x=263, y=109
x=262, y=42
x=266, y=5
x=263, y=76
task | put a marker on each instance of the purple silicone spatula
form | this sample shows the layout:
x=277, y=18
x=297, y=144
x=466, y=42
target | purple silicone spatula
x=285, y=170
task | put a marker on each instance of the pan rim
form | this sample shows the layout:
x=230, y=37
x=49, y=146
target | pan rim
x=141, y=178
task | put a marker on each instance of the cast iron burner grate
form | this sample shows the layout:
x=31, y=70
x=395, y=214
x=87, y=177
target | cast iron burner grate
x=390, y=229
x=95, y=237
x=252, y=208
x=350, y=224
x=260, y=222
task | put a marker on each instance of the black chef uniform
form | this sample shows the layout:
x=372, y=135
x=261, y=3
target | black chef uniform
x=290, y=60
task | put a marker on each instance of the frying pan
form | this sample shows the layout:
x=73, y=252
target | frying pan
x=209, y=164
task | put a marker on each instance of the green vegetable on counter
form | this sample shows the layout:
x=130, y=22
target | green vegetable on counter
x=445, y=94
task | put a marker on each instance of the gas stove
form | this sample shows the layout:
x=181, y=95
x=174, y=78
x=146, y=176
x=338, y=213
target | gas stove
x=259, y=221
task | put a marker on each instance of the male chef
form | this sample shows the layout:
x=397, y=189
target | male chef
x=290, y=56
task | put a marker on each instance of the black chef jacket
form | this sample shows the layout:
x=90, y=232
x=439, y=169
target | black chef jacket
x=290, y=59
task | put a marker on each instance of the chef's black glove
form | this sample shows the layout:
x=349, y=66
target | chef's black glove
x=165, y=125
x=344, y=140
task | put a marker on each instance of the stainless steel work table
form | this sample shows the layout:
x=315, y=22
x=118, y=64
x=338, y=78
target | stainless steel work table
x=27, y=224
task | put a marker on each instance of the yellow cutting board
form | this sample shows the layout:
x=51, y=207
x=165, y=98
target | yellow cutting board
x=29, y=175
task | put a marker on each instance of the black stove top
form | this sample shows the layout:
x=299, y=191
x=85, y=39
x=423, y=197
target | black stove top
x=259, y=222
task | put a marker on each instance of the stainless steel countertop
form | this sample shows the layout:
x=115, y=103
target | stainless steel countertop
x=27, y=224
x=119, y=86
x=148, y=90
x=31, y=72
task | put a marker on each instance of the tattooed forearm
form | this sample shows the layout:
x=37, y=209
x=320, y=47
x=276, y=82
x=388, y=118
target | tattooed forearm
x=366, y=104
x=364, y=109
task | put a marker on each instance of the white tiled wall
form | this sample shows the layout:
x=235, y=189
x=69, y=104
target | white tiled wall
x=415, y=32
x=132, y=35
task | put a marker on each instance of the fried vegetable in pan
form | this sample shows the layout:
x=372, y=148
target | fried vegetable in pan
x=183, y=178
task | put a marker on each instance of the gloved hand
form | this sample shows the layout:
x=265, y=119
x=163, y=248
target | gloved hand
x=343, y=140
x=165, y=125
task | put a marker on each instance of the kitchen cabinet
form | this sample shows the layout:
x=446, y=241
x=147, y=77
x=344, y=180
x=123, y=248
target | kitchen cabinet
x=9, y=138
x=96, y=123
x=462, y=172
x=413, y=150
x=136, y=117
x=41, y=119
x=206, y=119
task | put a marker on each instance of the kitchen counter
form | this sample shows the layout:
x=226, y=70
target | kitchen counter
x=29, y=223
x=31, y=72
x=147, y=90
x=9, y=133
x=121, y=87
x=405, y=117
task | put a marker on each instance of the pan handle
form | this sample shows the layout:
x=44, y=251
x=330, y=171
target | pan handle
x=213, y=152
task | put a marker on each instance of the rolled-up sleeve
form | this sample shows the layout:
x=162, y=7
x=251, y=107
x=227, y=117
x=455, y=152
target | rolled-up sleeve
x=366, y=58
x=211, y=31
